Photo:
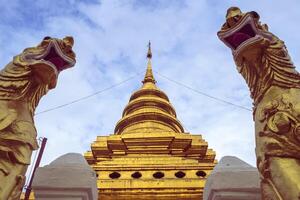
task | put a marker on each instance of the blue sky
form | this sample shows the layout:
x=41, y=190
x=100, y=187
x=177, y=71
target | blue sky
x=111, y=41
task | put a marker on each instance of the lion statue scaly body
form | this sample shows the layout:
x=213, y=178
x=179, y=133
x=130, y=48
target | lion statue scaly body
x=22, y=84
x=264, y=62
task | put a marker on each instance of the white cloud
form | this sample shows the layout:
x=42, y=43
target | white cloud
x=110, y=42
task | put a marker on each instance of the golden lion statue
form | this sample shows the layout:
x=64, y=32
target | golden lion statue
x=264, y=62
x=22, y=84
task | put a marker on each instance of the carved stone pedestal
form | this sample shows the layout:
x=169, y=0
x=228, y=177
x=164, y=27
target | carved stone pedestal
x=232, y=179
x=69, y=177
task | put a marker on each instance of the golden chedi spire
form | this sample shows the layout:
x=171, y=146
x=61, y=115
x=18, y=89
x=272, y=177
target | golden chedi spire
x=149, y=109
x=149, y=156
x=149, y=74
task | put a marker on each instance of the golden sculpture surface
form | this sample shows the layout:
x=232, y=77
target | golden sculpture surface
x=149, y=156
x=264, y=62
x=22, y=84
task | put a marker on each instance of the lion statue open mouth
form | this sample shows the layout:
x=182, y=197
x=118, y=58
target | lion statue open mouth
x=22, y=84
x=242, y=30
x=264, y=62
x=52, y=55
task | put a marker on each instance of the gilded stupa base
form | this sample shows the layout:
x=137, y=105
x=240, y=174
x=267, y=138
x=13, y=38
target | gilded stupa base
x=156, y=166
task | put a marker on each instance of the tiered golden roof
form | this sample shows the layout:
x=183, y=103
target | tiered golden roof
x=149, y=155
x=149, y=109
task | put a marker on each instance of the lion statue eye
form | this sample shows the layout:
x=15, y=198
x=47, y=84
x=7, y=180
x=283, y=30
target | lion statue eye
x=69, y=41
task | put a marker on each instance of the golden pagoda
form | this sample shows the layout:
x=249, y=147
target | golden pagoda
x=149, y=156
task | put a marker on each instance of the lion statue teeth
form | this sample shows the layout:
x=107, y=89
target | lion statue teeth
x=264, y=62
x=22, y=84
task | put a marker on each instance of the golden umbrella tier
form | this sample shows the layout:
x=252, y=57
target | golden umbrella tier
x=148, y=110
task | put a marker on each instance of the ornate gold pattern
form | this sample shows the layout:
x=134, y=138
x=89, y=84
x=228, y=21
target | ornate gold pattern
x=264, y=62
x=22, y=84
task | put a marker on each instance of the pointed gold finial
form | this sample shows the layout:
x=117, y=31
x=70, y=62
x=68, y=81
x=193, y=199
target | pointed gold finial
x=149, y=54
x=149, y=74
